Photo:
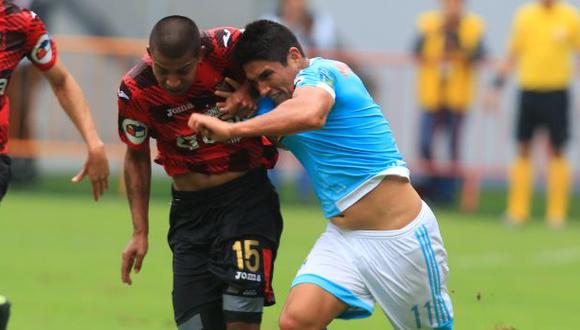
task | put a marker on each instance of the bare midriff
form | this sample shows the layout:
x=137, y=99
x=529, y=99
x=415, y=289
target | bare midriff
x=199, y=181
x=392, y=205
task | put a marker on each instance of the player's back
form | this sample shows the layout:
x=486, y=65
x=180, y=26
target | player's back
x=354, y=146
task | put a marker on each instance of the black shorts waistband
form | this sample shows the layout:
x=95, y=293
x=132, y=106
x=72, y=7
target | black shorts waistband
x=247, y=182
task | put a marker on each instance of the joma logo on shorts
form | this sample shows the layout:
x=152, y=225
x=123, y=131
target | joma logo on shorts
x=248, y=276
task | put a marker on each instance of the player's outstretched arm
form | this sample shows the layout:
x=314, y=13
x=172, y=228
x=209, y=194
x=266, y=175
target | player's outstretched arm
x=72, y=100
x=137, y=171
x=305, y=111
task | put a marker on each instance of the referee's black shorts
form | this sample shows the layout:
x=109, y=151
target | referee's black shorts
x=549, y=110
x=5, y=174
x=224, y=242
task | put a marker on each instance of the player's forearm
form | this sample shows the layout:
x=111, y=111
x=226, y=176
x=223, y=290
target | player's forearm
x=505, y=68
x=137, y=172
x=73, y=102
x=289, y=117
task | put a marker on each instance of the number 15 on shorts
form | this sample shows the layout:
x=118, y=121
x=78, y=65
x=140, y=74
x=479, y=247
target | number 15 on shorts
x=247, y=255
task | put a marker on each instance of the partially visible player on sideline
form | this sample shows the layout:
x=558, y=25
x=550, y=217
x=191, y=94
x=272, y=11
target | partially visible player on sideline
x=382, y=243
x=225, y=222
x=545, y=35
x=22, y=34
x=448, y=49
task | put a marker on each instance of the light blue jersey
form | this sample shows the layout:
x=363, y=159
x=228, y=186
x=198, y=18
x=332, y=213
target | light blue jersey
x=355, y=149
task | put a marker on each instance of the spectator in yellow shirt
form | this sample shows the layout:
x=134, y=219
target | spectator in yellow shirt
x=448, y=48
x=545, y=35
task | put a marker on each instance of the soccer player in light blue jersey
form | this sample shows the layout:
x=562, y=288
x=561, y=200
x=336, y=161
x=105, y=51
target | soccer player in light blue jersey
x=382, y=243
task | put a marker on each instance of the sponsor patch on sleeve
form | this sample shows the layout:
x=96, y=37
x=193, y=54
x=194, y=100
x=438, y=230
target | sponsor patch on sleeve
x=42, y=52
x=136, y=132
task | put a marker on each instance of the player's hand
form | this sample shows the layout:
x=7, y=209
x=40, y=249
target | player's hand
x=97, y=169
x=210, y=127
x=238, y=99
x=133, y=256
x=491, y=100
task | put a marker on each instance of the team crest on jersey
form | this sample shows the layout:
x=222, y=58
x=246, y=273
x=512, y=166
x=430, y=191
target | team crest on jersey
x=135, y=131
x=42, y=52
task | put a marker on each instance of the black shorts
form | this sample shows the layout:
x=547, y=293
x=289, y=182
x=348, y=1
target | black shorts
x=5, y=174
x=543, y=109
x=224, y=242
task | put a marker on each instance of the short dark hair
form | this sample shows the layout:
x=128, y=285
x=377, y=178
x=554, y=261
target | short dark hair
x=264, y=40
x=174, y=36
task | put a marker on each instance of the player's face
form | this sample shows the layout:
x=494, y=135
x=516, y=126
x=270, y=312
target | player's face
x=452, y=8
x=175, y=75
x=273, y=79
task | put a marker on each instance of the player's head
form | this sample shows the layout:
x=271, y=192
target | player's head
x=548, y=2
x=452, y=8
x=271, y=57
x=175, y=49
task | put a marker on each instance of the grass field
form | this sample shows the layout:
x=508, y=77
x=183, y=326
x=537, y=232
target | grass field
x=60, y=260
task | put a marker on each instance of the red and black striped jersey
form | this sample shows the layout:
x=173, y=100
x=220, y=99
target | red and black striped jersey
x=22, y=34
x=147, y=111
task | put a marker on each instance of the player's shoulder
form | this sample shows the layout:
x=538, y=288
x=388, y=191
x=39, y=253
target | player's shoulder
x=527, y=10
x=220, y=37
x=138, y=80
x=474, y=21
x=429, y=21
x=567, y=8
x=11, y=10
x=17, y=16
x=140, y=76
x=324, y=64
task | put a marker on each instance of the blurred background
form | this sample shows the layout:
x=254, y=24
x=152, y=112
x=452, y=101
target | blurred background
x=376, y=37
x=59, y=252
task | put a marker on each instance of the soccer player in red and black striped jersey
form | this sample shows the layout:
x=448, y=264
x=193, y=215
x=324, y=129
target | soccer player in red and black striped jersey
x=225, y=221
x=23, y=34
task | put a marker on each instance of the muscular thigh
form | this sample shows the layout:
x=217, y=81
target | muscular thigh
x=555, y=117
x=191, y=235
x=224, y=252
x=244, y=255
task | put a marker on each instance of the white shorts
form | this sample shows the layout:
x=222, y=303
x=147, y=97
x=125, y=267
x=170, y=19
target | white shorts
x=404, y=271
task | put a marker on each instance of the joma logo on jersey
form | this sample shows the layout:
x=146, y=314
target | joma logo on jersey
x=180, y=109
x=248, y=276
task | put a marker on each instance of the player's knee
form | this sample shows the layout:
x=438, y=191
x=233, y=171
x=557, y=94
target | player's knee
x=210, y=317
x=242, y=326
x=242, y=310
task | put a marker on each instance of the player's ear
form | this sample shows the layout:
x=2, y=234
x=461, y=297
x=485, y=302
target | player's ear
x=149, y=51
x=294, y=55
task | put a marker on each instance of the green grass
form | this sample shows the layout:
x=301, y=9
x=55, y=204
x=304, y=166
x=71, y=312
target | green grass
x=60, y=260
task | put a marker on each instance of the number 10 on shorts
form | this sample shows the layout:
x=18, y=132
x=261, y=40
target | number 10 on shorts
x=248, y=258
